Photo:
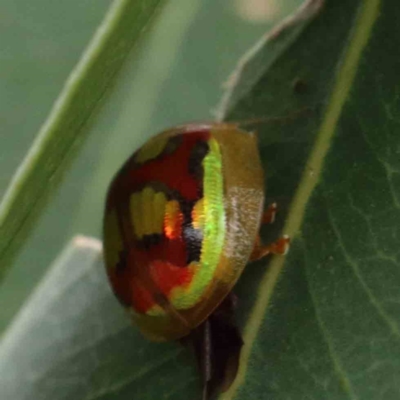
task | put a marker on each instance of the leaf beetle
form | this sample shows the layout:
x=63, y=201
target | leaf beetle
x=181, y=222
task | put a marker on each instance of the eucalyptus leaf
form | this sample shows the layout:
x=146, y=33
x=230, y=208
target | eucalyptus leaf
x=67, y=125
x=321, y=323
x=324, y=322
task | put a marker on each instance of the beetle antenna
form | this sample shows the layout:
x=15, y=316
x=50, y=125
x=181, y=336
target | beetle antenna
x=305, y=111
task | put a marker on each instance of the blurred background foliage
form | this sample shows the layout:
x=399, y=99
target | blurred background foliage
x=175, y=77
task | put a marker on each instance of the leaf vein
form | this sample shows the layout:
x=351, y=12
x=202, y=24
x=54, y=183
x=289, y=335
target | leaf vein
x=355, y=267
x=338, y=368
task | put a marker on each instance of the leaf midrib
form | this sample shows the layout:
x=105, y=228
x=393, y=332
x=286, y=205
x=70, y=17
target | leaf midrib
x=358, y=40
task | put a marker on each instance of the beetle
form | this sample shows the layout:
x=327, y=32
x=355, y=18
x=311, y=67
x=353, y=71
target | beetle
x=181, y=222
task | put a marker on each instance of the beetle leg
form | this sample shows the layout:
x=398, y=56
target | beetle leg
x=280, y=247
x=269, y=214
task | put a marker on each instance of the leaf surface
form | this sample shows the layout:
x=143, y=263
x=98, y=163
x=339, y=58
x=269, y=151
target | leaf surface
x=321, y=323
x=66, y=126
x=324, y=322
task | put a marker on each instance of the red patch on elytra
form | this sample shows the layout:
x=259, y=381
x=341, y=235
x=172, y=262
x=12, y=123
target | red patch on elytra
x=170, y=169
x=166, y=277
x=146, y=273
x=136, y=283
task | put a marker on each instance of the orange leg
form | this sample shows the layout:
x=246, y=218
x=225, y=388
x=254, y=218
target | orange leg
x=280, y=246
x=269, y=214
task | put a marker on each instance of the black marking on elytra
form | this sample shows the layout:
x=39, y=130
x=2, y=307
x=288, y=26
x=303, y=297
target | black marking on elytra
x=192, y=237
x=120, y=269
x=147, y=241
x=195, y=167
x=172, y=144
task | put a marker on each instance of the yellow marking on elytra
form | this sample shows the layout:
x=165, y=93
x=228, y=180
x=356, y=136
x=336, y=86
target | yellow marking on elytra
x=151, y=149
x=208, y=215
x=155, y=311
x=147, y=205
x=212, y=222
x=136, y=214
x=147, y=212
x=198, y=217
x=183, y=297
x=344, y=79
x=159, y=204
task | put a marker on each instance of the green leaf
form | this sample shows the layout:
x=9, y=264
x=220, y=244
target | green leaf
x=72, y=341
x=66, y=126
x=323, y=322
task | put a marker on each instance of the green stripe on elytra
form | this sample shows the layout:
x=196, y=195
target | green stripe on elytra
x=213, y=231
